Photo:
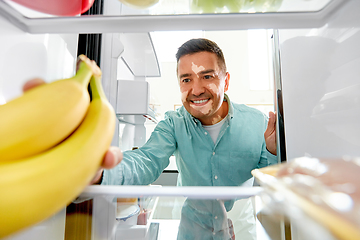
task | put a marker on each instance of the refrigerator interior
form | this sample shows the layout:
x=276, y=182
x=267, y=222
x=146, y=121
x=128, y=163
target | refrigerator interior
x=316, y=94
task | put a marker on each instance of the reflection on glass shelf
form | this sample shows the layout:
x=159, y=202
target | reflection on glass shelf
x=180, y=7
x=168, y=7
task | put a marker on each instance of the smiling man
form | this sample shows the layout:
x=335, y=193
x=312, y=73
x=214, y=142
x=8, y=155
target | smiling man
x=215, y=142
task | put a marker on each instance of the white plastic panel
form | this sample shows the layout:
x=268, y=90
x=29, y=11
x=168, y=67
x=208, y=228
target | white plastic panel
x=321, y=91
x=25, y=56
x=139, y=54
x=133, y=97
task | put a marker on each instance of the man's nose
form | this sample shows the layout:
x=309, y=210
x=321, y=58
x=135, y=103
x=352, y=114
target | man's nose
x=197, y=88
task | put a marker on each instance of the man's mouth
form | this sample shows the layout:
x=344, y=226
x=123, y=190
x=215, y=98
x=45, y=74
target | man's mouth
x=200, y=102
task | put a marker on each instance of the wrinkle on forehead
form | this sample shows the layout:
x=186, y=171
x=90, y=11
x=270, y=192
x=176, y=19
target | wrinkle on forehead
x=196, y=69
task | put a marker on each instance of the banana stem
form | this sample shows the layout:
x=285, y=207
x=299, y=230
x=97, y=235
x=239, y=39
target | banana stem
x=85, y=68
x=97, y=90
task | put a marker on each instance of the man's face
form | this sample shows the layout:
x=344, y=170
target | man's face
x=202, y=86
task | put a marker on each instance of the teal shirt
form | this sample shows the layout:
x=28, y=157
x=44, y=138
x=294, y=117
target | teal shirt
x=240, y=148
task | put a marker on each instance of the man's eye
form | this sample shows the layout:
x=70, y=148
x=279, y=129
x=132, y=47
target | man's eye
x=208, y=76
x=185, y=80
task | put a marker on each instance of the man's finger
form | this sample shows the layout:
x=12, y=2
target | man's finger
x=112, y=158
x=32, y=83
x=271, y=123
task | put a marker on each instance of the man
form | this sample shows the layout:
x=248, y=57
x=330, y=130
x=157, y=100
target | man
x=215, y=142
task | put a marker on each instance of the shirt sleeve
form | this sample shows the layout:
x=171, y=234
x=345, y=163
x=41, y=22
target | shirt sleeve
x=272, y=159
x=263, y=162
x=144, y=165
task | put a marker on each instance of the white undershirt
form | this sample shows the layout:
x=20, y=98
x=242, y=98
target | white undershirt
x=214, y=130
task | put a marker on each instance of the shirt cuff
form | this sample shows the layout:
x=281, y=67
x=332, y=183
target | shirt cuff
x=113, y=176
x=272, y=159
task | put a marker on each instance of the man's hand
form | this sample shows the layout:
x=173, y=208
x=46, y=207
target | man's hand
x=112, y=157
x=270, y=134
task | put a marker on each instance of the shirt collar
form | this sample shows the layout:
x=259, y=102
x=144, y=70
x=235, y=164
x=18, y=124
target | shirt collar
x=229, y=115
x=231, y=108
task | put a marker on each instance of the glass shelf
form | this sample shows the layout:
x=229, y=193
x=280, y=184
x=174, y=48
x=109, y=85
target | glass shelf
x=178, y=15
x=186, y=7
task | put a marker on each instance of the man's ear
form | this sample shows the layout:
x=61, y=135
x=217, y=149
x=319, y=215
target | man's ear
x=227, y=80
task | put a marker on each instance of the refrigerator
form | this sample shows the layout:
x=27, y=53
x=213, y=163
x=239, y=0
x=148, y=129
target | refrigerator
x=315, y=92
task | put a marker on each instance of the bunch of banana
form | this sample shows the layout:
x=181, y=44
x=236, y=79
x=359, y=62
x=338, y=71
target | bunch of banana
x=44, y=115
x=35, y=187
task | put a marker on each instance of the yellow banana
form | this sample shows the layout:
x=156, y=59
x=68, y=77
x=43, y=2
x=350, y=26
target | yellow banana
x=34, y=188
x=45, y=115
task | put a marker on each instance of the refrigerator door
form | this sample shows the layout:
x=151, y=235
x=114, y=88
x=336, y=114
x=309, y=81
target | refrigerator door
x=320, y=87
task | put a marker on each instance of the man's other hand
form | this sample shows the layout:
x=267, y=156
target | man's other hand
x=270, y=134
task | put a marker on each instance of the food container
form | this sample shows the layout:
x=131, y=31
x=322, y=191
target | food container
x=322, y=190
x=127, y=213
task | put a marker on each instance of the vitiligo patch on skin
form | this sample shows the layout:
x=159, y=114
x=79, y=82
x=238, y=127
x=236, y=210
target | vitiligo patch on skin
x=213, y=87
x=196, y=69
x=216, y=119
x=184, y=96
x=204, y=109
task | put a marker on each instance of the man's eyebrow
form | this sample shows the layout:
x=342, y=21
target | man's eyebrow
x=200, y=73
x=207, y=71
x=184, y=75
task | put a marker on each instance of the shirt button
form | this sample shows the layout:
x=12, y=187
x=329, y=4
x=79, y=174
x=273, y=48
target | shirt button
x=205, y=133
x=213, y=153
x=215, y=217
x=214, y=233
x=215, y=177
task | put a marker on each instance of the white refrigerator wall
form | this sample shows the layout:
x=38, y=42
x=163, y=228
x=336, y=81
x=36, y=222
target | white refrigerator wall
x=23, y=57
x=320, y=71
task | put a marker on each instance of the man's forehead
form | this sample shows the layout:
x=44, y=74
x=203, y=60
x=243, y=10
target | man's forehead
x=197, y=63
x=199, y=56
x=197, y=68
